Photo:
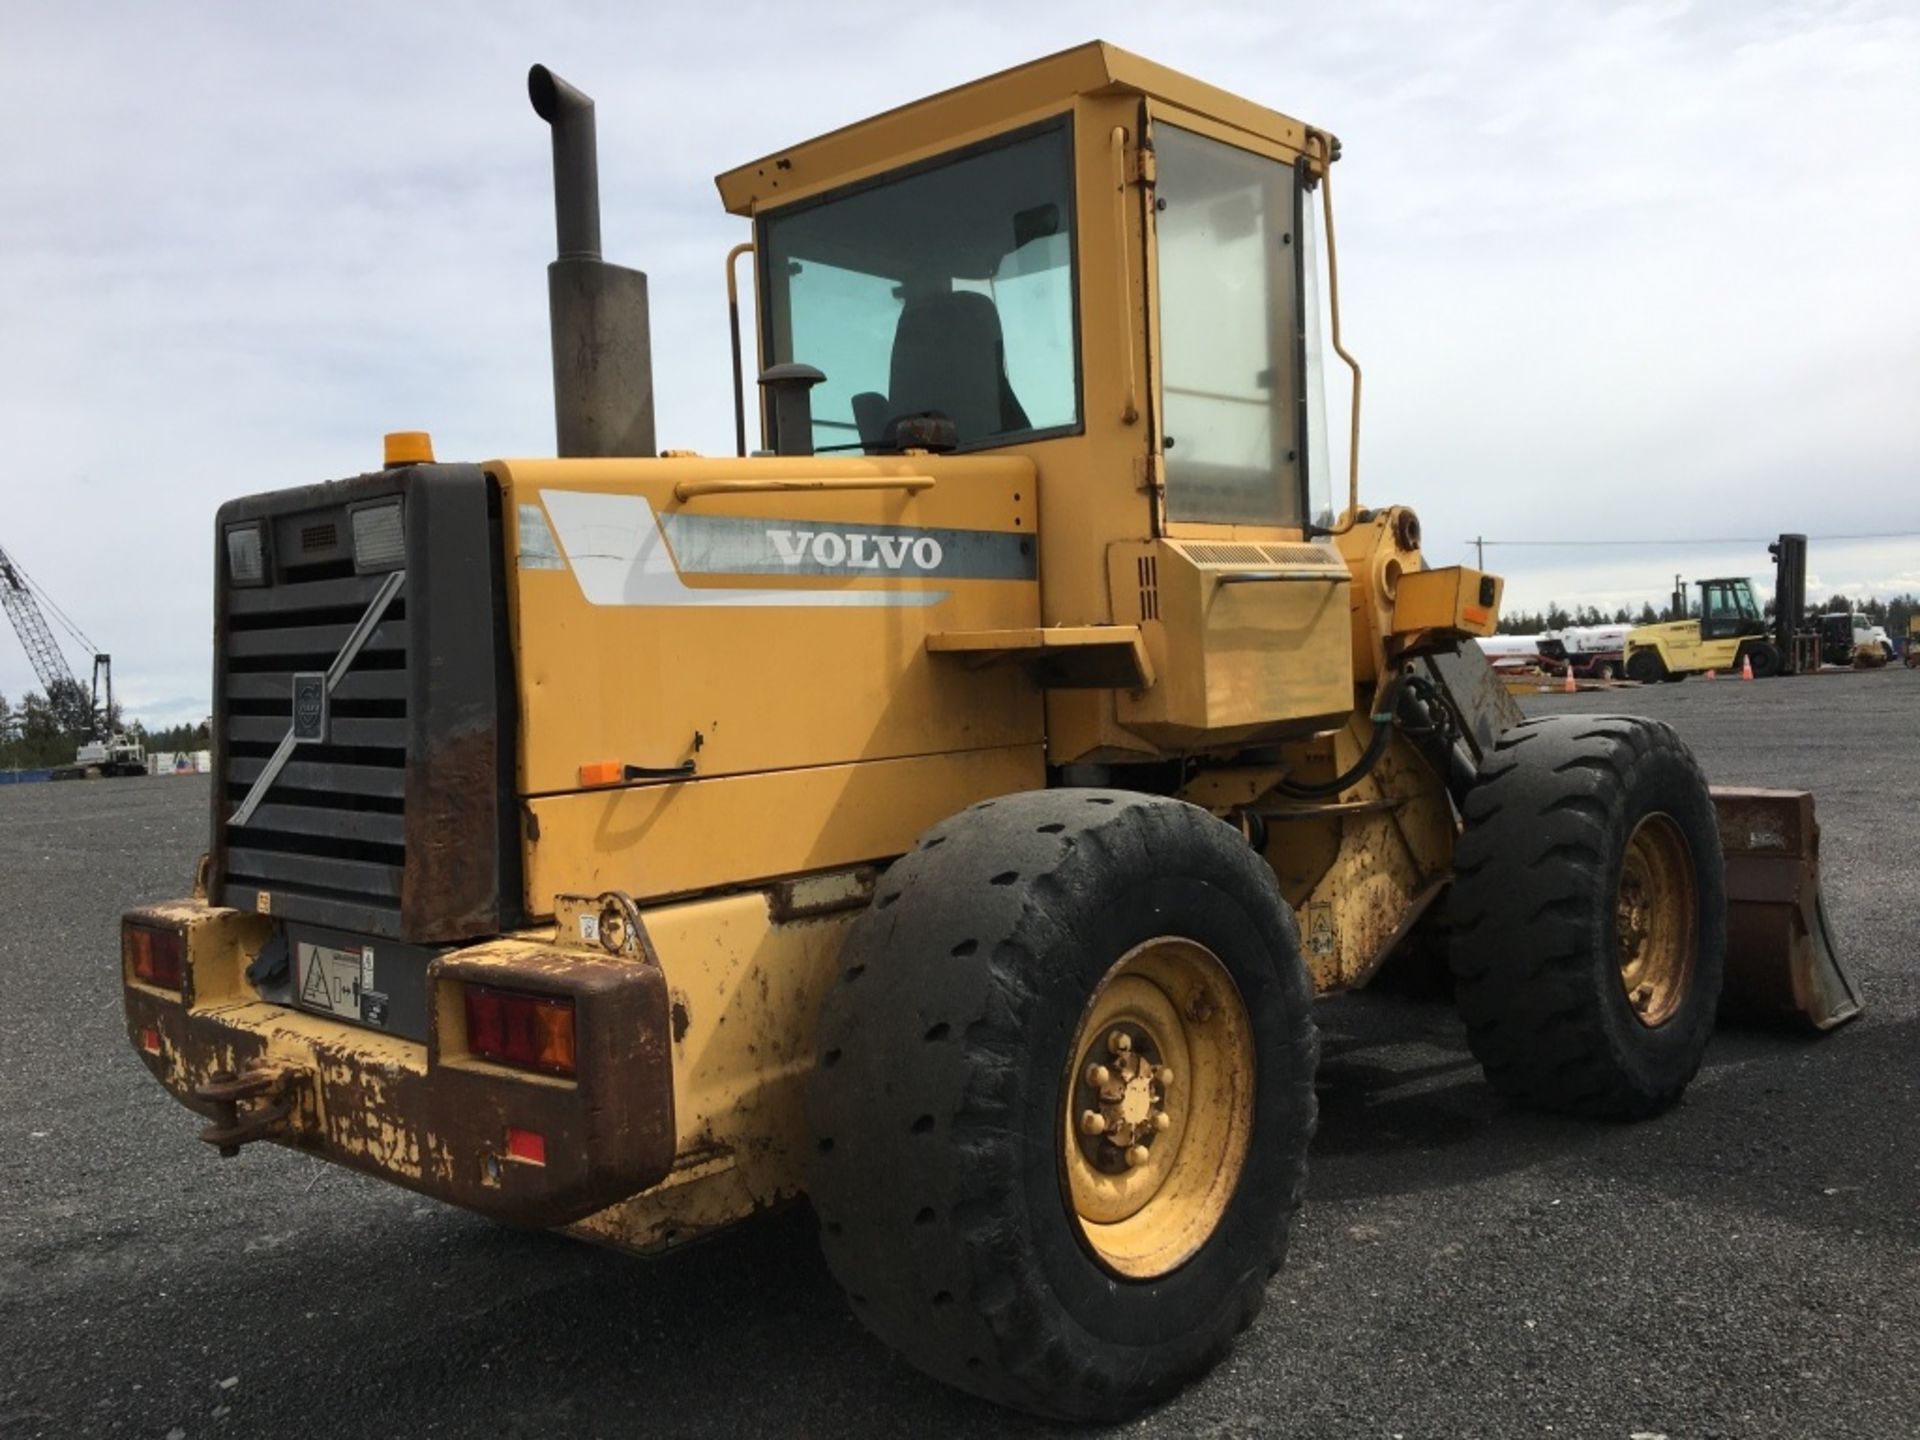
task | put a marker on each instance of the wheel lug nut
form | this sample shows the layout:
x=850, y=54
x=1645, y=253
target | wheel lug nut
x=1138, y=1156
x=1164, y=1075
x=1162, y=1121
x=1098, y=1075
x=1092, y=1122
x=1119, y=1042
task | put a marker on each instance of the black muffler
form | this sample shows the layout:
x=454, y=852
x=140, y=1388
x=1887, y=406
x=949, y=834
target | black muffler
x=602, y=347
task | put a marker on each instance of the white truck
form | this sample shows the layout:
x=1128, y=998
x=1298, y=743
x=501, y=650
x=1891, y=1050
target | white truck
x=1593, y=652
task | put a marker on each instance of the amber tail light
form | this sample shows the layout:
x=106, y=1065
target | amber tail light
x=159, y=956
x=511, y=1027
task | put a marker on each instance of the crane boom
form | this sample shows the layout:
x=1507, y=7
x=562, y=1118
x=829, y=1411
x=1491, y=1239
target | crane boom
x=31, y=626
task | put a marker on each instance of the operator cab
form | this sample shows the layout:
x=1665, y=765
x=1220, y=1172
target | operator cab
x=1110, y=255
x=1108, y=271
x=1727, y=609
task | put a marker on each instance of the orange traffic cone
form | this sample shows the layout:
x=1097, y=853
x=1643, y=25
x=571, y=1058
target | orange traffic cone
x=1569, y=687
x=1746, y=667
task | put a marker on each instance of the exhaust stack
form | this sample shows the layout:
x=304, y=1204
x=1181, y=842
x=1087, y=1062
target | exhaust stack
x=602, y=347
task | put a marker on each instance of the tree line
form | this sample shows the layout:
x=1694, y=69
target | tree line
x=45, y=729
x=1892, y=614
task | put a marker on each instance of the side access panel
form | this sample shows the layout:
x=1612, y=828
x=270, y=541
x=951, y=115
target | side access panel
x=747, y=640
x=736, y=616
x=1245, y=639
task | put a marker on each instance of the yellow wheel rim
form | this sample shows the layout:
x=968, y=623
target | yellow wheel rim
x=1158, y=1111
x=1655, y=912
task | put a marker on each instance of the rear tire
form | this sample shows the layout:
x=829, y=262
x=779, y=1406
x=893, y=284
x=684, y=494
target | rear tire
x=948, y=1081
x=1646, y=666
x=1589, y=916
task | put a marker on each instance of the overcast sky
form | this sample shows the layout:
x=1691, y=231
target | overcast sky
x=1613, y=271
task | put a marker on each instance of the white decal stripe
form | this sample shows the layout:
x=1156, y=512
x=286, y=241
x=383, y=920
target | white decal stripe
x=614, y=546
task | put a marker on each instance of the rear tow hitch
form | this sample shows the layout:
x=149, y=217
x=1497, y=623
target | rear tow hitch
x=256, y=1104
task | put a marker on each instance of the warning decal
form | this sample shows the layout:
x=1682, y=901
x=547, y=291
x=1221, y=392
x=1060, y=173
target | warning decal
x=330, y=980
x=1320, y=928
x=315, y=991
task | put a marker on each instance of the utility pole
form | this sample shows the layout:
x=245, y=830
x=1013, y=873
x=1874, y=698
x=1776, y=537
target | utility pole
x=1479, y=552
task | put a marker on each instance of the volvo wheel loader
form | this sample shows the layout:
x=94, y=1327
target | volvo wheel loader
x=949, y=811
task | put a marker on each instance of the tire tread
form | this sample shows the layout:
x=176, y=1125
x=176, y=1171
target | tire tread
x=967, y=952
x=1529, y=904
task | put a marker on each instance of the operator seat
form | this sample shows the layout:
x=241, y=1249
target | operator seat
x=948, y=356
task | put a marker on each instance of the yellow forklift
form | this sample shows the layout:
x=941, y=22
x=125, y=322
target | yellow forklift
x=1727, y=630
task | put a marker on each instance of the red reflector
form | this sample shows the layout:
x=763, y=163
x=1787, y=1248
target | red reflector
x=150, y=1040
x=527, y=1145
x=534, y=1032
x=159, y=956
x=486, y=1021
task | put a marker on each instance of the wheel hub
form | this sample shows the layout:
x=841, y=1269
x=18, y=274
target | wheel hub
x=1122, y=1099
x=1654, y=919
x=1157, y=1107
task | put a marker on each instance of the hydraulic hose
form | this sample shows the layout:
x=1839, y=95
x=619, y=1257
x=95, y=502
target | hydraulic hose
x=1385, y=709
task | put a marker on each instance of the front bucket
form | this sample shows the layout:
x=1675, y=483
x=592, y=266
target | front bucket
x=1781, y=963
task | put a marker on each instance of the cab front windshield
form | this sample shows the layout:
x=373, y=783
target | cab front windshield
x=946, y=290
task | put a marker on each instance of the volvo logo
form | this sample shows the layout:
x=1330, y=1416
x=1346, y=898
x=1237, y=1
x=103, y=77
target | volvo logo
x=857, y=550
x=310, y=707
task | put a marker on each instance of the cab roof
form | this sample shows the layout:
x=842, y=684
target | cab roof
x=954, y=117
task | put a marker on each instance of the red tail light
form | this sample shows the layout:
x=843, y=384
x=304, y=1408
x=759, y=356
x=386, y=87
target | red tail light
x=527, y=1145
x=159, y=956
x=510, y=1027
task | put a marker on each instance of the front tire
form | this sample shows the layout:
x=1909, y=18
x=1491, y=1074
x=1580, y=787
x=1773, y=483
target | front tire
x=1763, y=657
x=980, y=1222
x=1589, y=916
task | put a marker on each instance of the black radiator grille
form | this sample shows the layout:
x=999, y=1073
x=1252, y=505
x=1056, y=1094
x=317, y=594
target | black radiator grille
x=327, y=842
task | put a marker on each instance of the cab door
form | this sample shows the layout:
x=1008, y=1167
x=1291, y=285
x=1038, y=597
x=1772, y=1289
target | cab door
x=1234, y=383
x=1251, y=634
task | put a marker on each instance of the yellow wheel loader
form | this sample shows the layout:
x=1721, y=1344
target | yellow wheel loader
x=949, y=811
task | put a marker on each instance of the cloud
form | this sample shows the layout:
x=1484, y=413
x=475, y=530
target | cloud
x=1640, y=270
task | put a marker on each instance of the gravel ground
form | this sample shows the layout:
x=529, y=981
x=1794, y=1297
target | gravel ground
x=1749, y=1265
